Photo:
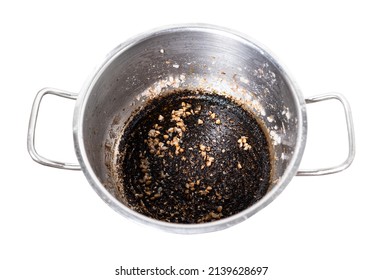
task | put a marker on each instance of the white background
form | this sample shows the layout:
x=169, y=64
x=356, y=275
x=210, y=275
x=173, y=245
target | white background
x=54, y=226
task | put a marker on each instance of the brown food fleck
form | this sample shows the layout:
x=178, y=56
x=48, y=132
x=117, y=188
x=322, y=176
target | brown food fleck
x=200, y=173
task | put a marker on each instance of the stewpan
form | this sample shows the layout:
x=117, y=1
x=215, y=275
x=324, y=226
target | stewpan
x=195, y=58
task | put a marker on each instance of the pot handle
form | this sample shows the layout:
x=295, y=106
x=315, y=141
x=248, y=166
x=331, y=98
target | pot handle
x=351, y=137
x=32, y=129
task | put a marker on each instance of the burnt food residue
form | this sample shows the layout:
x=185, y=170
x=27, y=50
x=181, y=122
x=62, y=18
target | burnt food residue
x=193, y=157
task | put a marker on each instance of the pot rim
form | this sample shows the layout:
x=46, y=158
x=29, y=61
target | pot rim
x=291, y=170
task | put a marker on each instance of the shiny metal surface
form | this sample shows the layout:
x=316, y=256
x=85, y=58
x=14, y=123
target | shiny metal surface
x=192, y=56
x=351, y=137
x=32, y=130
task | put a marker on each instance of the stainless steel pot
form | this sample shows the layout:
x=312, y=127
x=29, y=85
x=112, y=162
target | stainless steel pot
x=187, y=57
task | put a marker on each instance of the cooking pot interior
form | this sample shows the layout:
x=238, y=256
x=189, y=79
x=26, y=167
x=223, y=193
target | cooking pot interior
x=187, y=58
